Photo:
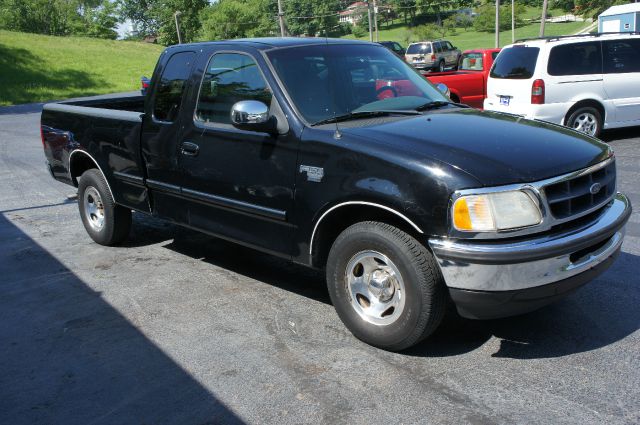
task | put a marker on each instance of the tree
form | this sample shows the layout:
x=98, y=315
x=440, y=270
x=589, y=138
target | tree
x=593, y=8
x=59, y=17
x=485, y=21
x=236, y=19
x=156, y=17
x=141, y=14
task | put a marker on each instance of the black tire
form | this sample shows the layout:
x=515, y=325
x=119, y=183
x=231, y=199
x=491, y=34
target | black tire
x=441, y=66
x=425, y=297
x=577, y=117
x=116, y=220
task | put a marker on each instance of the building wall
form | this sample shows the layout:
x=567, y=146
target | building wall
x=625, y=18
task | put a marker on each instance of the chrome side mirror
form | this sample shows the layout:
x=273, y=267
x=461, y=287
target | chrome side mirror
x=249, y=113
x=442, y=88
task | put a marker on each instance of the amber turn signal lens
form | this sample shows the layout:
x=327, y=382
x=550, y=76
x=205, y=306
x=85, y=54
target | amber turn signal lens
x=461, y=217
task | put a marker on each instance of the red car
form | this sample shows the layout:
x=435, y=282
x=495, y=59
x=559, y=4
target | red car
x=469, y=83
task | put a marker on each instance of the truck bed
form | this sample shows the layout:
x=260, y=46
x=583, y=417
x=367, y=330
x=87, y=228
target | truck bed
x=105, y=129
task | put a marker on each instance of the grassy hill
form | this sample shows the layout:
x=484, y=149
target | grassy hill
x=36, y=68
x=472, y=39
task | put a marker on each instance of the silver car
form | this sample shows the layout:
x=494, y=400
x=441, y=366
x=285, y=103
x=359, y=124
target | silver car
x=434, y=55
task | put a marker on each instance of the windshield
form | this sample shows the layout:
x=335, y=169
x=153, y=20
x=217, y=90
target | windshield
x=516, y=62
x=325, y=81
x=417, y=49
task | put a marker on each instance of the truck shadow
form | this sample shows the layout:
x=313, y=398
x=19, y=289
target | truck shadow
x=68, y=356
x=599, y=314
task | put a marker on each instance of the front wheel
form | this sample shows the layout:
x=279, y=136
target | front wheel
x=385, y=286
x=586, y=120
x=106, y=222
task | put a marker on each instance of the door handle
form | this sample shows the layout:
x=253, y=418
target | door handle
x=189, y=149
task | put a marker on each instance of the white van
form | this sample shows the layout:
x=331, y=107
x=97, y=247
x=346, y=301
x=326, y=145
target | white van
x=586, y=82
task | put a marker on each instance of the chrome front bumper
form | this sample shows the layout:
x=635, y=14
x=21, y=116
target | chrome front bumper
x=496, y=266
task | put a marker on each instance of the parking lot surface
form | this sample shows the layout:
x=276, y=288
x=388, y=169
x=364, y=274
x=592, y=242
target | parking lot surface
x=178, y=327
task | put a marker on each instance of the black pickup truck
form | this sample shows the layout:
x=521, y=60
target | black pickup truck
x=300, y=148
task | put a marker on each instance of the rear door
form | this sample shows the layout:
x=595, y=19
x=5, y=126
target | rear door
x=574, y=72
x=622, y=77
x=160, y=134
x=510, y=79
x=452, y=55
x=237, y=184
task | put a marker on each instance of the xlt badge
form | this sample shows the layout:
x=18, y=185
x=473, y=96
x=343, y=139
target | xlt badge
x=314, y=174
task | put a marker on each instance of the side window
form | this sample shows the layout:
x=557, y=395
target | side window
x=575, y=59
x=171, y=86
x=229, y=78
x=449, y=46
x=437, y=48
x=621, y=56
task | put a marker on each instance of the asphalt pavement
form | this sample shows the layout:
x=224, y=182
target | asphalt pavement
x=178, y=327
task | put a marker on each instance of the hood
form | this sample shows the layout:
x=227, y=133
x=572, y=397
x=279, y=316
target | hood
x=495, y=148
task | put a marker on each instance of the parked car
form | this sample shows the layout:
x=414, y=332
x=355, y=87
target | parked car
x=468, y=84
x=144, y=83
x=394, y=47
x=435, y=55
x=587, y=82
x=406, y=202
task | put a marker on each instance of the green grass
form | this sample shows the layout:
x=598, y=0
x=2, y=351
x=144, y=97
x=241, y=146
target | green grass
x=472, y=39
x=37, y=68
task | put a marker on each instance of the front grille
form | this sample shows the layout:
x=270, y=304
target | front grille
x=573, y=196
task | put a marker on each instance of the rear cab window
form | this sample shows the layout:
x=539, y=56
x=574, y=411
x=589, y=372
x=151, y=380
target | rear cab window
x=575, y=59
x=416, y=49
x=518, y=63
x=170, y=88
x=471, y=62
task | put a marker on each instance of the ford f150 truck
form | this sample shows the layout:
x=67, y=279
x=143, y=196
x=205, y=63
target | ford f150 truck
x=468, y=84
x=294, y=147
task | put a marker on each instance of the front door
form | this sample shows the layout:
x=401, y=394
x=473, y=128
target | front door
x=238, y=184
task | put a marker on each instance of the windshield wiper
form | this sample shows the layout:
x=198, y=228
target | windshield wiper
x=366, y=114
x=435, y=104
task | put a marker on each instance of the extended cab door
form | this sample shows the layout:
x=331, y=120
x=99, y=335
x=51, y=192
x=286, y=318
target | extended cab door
x=160, y=133
x=237, y=184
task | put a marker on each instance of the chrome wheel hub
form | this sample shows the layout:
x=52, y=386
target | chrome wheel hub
x=93, y=208
x=585, y=123
x=376, y=288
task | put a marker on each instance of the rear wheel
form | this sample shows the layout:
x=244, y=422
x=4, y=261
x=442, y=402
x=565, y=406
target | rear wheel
x=441, y=66
x=586, y=119
x=385, y=285
x=106, y=222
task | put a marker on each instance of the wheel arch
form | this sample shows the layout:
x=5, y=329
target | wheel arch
x=584, y=103
x=81, y=161
x=338, y=217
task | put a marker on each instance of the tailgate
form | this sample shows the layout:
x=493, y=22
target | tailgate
x=508, y=95
x=511, y=77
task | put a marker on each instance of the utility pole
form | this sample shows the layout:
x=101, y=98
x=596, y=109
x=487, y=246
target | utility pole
x=498, y=23
x=281, y=18
x=513, y=21
x=544, y=17
x=370, y=23
x=375, y=19
x=175, y=16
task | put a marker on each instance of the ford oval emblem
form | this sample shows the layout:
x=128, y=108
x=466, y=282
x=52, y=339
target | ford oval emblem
x=595, y=188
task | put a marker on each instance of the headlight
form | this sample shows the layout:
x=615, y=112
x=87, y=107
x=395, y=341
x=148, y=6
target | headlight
x=495, y=211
